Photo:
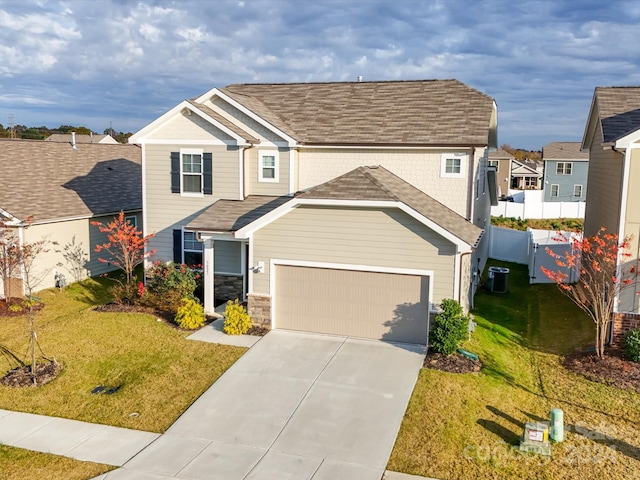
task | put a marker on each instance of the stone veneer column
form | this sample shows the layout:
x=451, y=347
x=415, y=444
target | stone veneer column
x=259, y=308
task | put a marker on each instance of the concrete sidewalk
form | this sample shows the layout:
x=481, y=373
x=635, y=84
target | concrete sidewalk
x=80, y=440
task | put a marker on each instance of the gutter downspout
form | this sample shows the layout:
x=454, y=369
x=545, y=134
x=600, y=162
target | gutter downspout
x=243, y=173
x=460, y=276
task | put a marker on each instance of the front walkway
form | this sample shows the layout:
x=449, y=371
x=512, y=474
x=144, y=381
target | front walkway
x=296, y=405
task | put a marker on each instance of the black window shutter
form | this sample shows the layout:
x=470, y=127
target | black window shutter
x=207, y=174
x=177, y=246
x=175, y=172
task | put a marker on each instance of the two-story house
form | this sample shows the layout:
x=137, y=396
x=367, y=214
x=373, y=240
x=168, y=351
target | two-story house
x=501, y=160
x=350, y=208
x=612, y=138
x=566, y=168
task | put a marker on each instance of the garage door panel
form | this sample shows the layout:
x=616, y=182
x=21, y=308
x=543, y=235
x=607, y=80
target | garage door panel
x=348, y=302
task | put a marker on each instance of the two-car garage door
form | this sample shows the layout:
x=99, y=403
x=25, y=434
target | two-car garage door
x=386, y=306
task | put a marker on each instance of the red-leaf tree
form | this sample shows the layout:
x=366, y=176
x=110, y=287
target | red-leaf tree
x=604, y=273
x=126, y=246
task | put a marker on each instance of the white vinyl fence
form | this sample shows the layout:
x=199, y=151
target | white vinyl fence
x=509, y=245
x=530, y=204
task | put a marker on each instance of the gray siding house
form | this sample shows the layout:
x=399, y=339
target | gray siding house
x=350, y=207
x=566, y=169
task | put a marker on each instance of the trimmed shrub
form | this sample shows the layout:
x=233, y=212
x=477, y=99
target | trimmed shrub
x=450, y=328
x=632, y=345
x=236, y=319
x=190, y=314
x=168, y=284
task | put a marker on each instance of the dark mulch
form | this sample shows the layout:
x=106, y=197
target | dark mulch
x=257, y=331
x=21, y=376
x=455, y=363
x=6, y=311
x=611, y=369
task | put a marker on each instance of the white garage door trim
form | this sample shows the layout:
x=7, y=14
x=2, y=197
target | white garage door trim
x=341, y=266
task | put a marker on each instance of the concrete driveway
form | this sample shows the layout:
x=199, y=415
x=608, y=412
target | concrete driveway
x=295, y=406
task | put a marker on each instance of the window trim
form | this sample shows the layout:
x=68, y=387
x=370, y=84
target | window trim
x=261, y=166
x=557, y=185
x=190, y=250
x=452, y=156
x=574, y=190
x=132, y=219
x=192, y=151
x=564, y=169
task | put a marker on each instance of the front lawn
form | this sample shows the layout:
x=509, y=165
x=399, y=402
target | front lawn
x=159, y=373
x=464, y=426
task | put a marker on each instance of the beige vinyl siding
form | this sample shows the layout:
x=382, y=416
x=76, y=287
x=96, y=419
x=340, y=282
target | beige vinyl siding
x=630, y=301
x=355, y=236
x=421, y=168
x=69, y=233
x=252, y=162
x=604, y=187
x=227, y=257
x=165, y=210
x=189, y=127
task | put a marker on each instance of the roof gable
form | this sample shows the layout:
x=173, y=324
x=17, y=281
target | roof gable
x=617, y=110
x=421, y=112
x=51, y=180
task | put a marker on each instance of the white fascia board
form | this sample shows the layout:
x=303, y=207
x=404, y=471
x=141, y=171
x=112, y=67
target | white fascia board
x=441, y=148
x=12, y=221
x=628, y=140
x=203, y=235
x=250, y=229
x=141, y=136
x=215, y=92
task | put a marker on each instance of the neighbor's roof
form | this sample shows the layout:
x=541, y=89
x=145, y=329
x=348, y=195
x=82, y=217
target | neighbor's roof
x=378, y=183
x=618, y=111
x=50, y=180
x=564, y=151
x=416, y=112
x=500, y=154
x=66, y=137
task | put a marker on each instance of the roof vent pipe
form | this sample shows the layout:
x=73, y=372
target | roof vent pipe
x=73, y=140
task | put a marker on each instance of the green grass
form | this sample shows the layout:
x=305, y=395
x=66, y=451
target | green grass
x=159, y=372
x=464, y=426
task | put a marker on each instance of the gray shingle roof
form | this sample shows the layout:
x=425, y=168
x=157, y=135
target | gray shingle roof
x=618, y=110
x=563, y=151
x=378, y=183
x=51, y=180
x=232, y=215
x=500, y=154
x=421, y=112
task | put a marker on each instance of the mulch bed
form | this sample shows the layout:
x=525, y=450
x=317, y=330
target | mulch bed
x=258, y=331
x=21, y=376
x=612, y=369
x=455, y=363
x=6, y=311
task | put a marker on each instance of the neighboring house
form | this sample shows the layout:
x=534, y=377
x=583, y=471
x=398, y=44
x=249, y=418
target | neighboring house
x=565, y=172
x=74, y=138
x=54, y=191
x=501, y=161
x=524, y=177
x=612, y=137
x=347, y=208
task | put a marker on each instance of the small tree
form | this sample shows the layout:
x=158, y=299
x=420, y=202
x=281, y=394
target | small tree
x=75, y=257
x=603, y=276
x=126, y=247
x=9, y=261
x=450, y=327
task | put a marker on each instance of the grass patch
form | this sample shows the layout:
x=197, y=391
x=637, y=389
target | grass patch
x=159, y=373
x=464, y=426
x=19, y=464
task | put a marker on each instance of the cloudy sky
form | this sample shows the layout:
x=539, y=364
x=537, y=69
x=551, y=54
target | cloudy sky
x=126, y=62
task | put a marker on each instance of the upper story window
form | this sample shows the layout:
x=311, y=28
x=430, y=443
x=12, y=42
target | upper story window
x=132, y=219
x=493, y=163
x=564, y=168
x=268, y=166
x=555, y=190
x=452, y=165
x=191, y=172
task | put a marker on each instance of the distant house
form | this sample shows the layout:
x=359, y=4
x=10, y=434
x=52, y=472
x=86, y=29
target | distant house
x=75, y=138
x=566, y=169
x=53, y=191
x=501, y=161
x=525, y=176
x=351, y=208
x=612, y=137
